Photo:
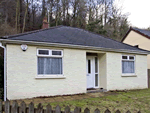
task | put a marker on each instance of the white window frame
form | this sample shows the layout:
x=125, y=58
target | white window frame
x=128, y=59
x=50, y=55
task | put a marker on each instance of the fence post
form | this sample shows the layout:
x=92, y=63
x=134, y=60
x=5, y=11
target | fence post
x=31, y=107
x=97, y=111
x=128, y=111
x=118, y=111
x=7, y=107
x=1, y=105
x=77, y=110
x=67, y=109
x=40, y=108
x=58, y=109
x=14, y=108
x=86, y=110
x=48, y=109
x=107, y=111
x=23, y=107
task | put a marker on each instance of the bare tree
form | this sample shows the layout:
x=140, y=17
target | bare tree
x=24, y=20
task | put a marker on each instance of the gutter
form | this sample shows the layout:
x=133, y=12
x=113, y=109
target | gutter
x=73, y=46
x=4, y=70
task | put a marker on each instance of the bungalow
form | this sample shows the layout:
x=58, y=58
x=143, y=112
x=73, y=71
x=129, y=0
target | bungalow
x=66, y=60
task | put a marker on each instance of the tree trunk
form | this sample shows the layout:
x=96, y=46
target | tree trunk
x=57, y=13
x=64, y=9
x=21, y=15
x=17, y=10
x=6, y=16
x=24, y=21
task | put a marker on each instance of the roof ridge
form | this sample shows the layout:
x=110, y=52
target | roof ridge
x=30, y=32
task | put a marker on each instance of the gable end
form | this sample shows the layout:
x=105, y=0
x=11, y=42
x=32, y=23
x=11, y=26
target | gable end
x=136, y=32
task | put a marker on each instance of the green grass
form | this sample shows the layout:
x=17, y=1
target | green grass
x=134, y=101
x=131, y=100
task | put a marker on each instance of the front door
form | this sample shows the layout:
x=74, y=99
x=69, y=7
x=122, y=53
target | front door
x=92, y=72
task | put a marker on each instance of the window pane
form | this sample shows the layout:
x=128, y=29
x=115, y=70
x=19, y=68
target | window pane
x=124, y=57
x=44, y=52
x=96, y=79
x=49, y=65
x=56, y=52
x=89, y=66
x=96, y=65
x=127, y=66
x=131, y=57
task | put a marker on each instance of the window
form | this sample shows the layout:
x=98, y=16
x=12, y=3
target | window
x=43, y=52
x=89, y=66
x=128, y=64
x=96, y=72
x=49, y=62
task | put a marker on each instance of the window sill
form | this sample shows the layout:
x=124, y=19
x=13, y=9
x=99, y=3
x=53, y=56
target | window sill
x=50, y=77
x=129, y=75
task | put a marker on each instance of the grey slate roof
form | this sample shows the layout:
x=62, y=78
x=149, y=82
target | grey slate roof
x=73, y=36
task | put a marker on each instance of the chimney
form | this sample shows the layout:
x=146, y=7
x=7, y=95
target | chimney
x=45, y=23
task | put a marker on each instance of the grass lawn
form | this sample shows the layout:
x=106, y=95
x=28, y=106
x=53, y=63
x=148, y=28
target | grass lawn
x=134, y=101
x=131, y=100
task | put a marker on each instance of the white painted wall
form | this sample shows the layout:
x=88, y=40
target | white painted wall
x=22, y=70
x=102, y=71
x=114, y=73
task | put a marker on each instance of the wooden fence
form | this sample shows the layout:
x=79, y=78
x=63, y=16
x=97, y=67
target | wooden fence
x=14, y=108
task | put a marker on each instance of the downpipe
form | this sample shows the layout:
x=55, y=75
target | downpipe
x=4, y=70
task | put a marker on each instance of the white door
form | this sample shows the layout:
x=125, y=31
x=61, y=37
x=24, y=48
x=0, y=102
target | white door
x=92, y=72
x=89, y=72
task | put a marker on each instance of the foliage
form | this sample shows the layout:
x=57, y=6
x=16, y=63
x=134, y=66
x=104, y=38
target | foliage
x=99, y=16
x=96, y=27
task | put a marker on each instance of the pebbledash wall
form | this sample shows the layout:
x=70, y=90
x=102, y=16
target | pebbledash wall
x=22, y=72
x=115, y=78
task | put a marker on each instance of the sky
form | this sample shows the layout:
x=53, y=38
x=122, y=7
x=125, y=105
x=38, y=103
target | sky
x=138, y=10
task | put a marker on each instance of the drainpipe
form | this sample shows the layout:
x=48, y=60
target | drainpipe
x=4, y=70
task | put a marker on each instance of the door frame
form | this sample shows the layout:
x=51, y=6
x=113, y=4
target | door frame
x=93, y=68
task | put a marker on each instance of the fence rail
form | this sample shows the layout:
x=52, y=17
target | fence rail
x=14, y=108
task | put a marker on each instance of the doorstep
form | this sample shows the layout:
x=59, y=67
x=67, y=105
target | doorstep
x=95, y=90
